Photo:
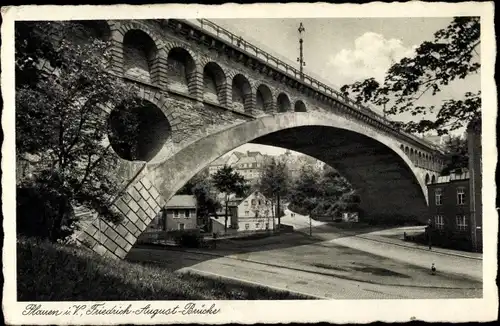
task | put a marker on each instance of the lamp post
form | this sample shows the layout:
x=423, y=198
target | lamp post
x=300, y=59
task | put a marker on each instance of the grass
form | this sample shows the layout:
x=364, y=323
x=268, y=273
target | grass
x=52, y=272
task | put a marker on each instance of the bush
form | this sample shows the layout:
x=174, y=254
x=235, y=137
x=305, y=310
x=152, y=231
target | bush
x=190, y=239
x=444, y=239
x=390, y=220
x=286, y=228
x=43, y=213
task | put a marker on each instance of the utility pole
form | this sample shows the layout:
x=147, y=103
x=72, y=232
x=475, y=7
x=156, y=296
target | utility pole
x=310, y=226
x=300, y=59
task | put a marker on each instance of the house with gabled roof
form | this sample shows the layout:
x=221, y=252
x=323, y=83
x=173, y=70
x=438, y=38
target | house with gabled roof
x=180, y=213
x=252, y=212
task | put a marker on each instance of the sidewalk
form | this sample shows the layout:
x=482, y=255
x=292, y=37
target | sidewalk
x=378, y=236
x=447, y=261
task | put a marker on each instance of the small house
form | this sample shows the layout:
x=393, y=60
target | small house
x=180, y=213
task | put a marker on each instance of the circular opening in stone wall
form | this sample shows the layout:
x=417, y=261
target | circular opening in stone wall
x=138, y=131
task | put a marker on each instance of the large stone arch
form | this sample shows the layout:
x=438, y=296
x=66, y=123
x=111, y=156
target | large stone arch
x=370, y=160
x=248, y=132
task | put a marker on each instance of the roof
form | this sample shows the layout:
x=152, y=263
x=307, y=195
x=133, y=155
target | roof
x=239, y=154
x=252, y=154
x=453, y=177
x=246, y=159
x=239, y=200
x=182, y=201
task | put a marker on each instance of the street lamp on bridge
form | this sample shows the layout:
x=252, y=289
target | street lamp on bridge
x=300, y=59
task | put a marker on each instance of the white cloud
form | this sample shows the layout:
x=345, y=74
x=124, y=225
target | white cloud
x=371, y=56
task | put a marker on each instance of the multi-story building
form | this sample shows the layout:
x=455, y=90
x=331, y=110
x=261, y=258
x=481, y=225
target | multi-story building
x=180, y=213
x=475, y=167
x=449, y=206
x=248, y=164
x=250, y=167
x=252, y=213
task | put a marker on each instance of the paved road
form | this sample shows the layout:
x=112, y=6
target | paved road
x=340, y=267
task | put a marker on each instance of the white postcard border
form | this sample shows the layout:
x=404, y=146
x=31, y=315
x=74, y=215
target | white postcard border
x=338, y=311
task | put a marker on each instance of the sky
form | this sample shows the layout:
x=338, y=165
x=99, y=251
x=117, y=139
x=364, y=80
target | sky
x=339, y=51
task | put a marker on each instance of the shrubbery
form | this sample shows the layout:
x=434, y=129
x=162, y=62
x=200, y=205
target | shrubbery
x=444, y=239
x=390, y=220
x=43, y=212
x=189, y=239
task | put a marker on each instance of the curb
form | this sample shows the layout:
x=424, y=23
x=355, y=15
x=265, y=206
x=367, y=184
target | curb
x=418, y=247
x=422, y=248
x=230, y=256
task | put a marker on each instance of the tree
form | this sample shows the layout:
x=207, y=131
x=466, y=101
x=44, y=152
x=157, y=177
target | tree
x=456, y=155
x=60, y=119
x=306, y=192
x=202, y=188
x=450, y=56
x=229, y=182
x=335, y=194
x=323, y=193
x=187, y=189
x=274, y=183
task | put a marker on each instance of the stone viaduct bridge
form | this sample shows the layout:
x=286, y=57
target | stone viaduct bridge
x=205, y=91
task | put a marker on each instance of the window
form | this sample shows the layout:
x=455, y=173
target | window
x=247, y=213
x=246, y=202
x=181, y=226
x=460, y=195
x=253, y=202
x=186, y=213
x=256, y=225
x=462, y=223
x=267, y=226
x=247, y=226
x=176, y=213
x=438, y=195
x=439, y=221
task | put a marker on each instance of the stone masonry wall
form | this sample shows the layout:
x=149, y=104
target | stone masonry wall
x=139, y=205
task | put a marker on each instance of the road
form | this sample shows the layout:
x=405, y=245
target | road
x=330, y=265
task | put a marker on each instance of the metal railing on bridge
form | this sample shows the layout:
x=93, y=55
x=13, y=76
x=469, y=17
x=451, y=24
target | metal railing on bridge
x=293, y=72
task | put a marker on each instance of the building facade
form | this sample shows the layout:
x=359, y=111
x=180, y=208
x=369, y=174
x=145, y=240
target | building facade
x=252, y=213
x=180, y=213
x=475, y=183
x=248, y=164
x=449, y=206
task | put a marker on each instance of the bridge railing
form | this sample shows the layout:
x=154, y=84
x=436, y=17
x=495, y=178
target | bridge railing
x=291, y=71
